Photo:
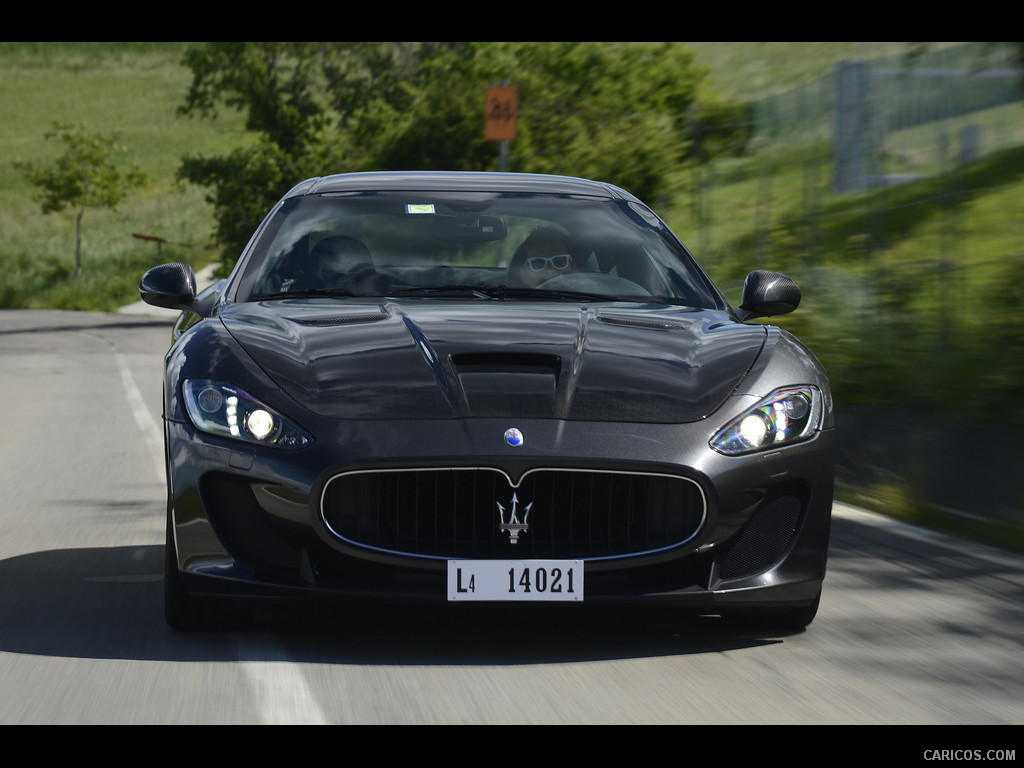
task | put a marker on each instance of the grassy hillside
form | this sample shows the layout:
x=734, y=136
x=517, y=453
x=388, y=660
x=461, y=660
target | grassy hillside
x=133, y=88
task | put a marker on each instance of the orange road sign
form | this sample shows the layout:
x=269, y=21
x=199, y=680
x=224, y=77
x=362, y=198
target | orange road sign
x=501, y=113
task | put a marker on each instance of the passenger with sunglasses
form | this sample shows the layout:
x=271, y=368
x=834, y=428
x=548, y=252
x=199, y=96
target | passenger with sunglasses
x=542, y=256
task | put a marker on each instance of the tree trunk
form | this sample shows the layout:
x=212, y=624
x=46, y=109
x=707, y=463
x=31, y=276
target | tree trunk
x=78, y=242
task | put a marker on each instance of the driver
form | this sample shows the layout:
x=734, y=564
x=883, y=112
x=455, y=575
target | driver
x=542, y=256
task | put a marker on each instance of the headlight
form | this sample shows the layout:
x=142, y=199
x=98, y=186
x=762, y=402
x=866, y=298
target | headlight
x=784, y=417
x=222, y=409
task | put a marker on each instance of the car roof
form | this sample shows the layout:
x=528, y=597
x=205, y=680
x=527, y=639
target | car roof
x=458, y=181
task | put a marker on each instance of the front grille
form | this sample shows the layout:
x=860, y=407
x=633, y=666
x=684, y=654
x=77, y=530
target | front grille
x=459, y=513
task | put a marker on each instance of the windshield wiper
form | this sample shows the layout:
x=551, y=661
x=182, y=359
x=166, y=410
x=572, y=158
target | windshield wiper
x=497, y=292
x=306, y=293
x=445, y=291
x=508, y=292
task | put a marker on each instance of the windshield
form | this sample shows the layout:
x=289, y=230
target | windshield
x=473, y=245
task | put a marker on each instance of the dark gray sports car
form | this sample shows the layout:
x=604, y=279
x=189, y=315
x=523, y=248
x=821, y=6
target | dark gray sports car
x=488, y=387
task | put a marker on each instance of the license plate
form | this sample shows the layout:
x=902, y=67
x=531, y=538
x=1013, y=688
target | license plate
x=518, y=580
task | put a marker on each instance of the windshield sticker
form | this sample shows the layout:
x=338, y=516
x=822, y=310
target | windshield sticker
x=419, y=208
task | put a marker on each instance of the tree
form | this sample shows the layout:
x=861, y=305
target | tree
x=281, y=89
x=83, y=177
x=627, y=113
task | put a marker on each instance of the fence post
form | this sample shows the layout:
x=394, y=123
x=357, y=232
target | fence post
x=853, y=132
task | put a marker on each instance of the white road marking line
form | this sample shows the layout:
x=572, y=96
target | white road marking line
x=283, y=696
x=147, y=424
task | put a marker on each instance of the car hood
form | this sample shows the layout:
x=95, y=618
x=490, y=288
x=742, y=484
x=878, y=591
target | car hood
x=434, y=359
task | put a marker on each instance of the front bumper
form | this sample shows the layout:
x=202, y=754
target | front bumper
x=247, y=521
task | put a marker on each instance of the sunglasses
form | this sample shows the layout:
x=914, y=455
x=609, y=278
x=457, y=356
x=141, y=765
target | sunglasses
x=541, y=263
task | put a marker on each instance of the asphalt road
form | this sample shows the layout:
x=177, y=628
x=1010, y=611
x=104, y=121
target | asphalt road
x=913, y=629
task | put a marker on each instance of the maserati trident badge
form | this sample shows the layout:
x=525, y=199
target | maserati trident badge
x=513, y=526
x=513, y=437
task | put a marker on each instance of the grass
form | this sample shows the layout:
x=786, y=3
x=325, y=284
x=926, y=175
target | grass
x=757, y=69
x=134, y=89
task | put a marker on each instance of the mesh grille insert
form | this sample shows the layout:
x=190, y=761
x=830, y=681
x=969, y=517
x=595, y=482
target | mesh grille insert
x=764, y=540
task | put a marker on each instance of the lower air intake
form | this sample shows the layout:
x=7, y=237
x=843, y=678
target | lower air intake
x=765, y=538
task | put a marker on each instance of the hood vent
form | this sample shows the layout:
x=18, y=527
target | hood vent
x=630, y=322
x=327, y=322
x=497, y=384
